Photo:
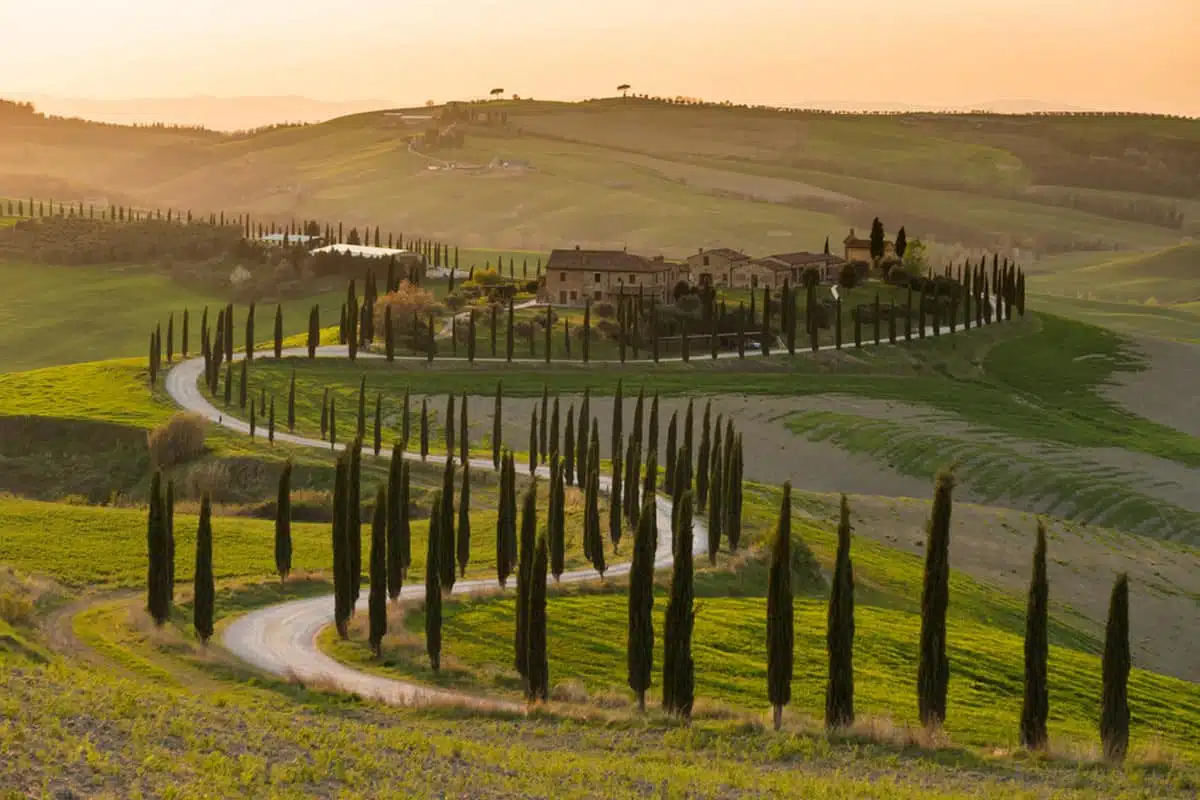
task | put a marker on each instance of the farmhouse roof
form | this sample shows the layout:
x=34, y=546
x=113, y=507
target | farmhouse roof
x=787, y=261
x=854, y=241
x=726, y=252
x=605, y=261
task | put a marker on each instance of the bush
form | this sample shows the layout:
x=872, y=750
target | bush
x=407, y=300
x=177, y=440
x=887, y=265
x=848, y=276
x=604, y=310
x=213, y=478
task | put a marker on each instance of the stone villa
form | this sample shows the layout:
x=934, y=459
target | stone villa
x=574, y=277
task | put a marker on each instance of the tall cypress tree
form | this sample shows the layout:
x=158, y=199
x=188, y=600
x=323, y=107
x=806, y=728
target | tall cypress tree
x=780, y=638
x=614, y=501
x=395, y=545
x=1036, y=704
x=250, y=333
x=378, y=423
x=557, y=523
x=325, y=413
x=508, y=340
x=553, y=436
x=433, y=589
x=616, y=432
x=533, y=441
x=525, y=578
x=314, y=331
x=342, y=604
x=183, y=335
x=389, y=334
x=271, y=422
x=672, y=436
x=448, y=545
x=631, y=503
x=354, y=520
x=640, y=644
x=581, y=438
x=688, y=438
x=679, y=672
x=505, y=522
x=587, y=331
x=933, y=671
x=404, y=422
x=569, y=448
x=538, y=680
x=464, y=441
x=283, y=523
x=362, y=408
x=156, y=549
x=170, y=336
x=332, y=422
x=424, y=428
x=716, y=489
x=497, y=432
x=732, y=499
x=543, y=422
x=448, y=427
x=1114, y=701
x=377, y=599
x=204, y=591
x=703, y=456
x=839, y=632
x=243, y=379
x=464, y=520
x=291, y=406
x=278, y=331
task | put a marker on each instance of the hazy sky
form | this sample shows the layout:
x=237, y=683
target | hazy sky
x=1126, y=54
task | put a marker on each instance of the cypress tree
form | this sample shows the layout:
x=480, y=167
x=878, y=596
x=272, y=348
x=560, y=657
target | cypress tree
x=362, y=408
x=553, y=436
x=741, y=331
x=525, y=578
x=640, y=644
x=183, y=335
x=592, y=520
x=614, y=499
x=464, y=442
x=703, y=457
x=715, y=491
x=433, y=589
x=169, y=526
x=765, y=338
x=508, y=340
x=780, y=639
x=424, y=428
x=250, y=333
x=539, y=669
x=314, y=331
x=152, y=364
x=581, y=442
x=672, y=435
x=1036, y=704
x=395, y=546
x=633, y=472
x=204, y=592
x=557, y=524
x=170, y=336
x=679, y=672
x=933, y=671
x=464, y=520
x=732, y=499
x=449, y=543
x=389, y=334
x=652, y=425
x=493, y=326
x=543, y=422
x=271, y=422
x=278, y=331
x=354, y=520
x=1114, y=701
x=342, y=604
x=505, y=522
x=448, y=428
x=291, y=405
x=569, y=447
x=839, y=632
x=252, y=420
x=332, y=422
x=497, y=433
x=587, y=331
x=377, y=598
x=229, y=381
x=618, y=408
x=404, y=422
x=533, y=441
x=325, y=412
x=283, y=523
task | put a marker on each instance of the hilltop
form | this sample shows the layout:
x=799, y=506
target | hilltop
x=653, y=175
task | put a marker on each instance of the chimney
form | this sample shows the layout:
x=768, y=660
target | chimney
x=577, y=246
x=852, y=233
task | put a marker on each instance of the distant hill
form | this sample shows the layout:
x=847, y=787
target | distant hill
x=656, y=176
x=216, y=113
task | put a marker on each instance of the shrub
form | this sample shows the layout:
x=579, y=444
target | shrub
x=177, y=440
x=213, y=477
x=604, y=310
x=848, y=276
x=407, y=300
x=887, y=265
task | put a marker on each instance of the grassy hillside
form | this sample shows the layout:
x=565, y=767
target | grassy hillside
x=602, y=172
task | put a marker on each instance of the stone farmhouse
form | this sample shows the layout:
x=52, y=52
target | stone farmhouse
x=860, y=249
x=715, y=267
x=773, y=270
x=573, y=277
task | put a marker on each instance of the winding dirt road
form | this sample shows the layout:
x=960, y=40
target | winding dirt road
x=281, y=639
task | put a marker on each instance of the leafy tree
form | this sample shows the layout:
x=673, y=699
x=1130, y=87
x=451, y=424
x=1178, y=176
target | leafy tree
x=933, y=670
x=204, y=591
x=679, y=672
x=780, y=638
x=839, y=631
x=283, y=523
x=1114, y=703
x=537, y=685
x=377, y=598
x=433, y=589
x=1036, y=704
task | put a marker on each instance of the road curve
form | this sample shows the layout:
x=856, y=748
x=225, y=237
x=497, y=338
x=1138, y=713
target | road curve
x=281, y=639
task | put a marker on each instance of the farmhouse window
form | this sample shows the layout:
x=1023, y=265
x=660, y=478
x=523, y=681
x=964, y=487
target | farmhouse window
x=562, y=277
x=562, y=296
x=596, y=295
x=633, y=278
x=595, y=277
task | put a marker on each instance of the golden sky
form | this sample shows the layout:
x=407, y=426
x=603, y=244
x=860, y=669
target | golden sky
x=1138, y=55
